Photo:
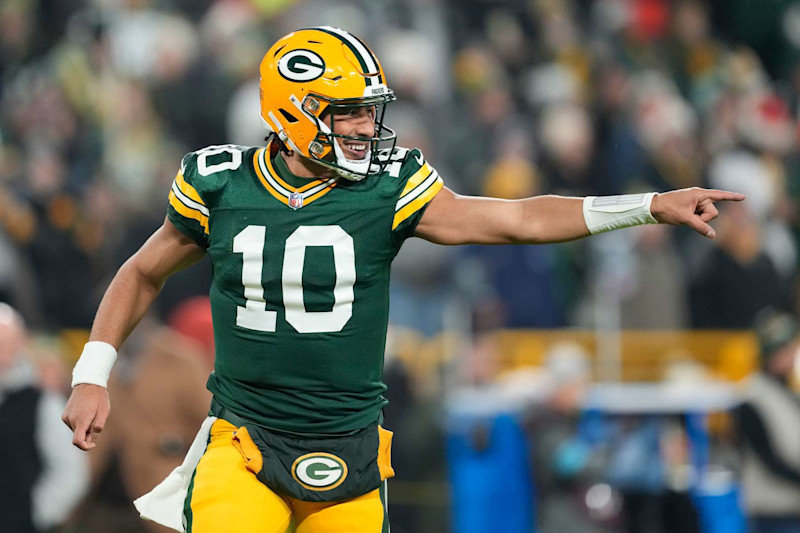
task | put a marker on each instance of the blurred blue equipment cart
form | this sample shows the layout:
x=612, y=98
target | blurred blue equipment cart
x=488, y=454
x=715, y=494
x=488, y=462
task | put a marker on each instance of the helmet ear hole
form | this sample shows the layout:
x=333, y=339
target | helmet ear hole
x=288, y=116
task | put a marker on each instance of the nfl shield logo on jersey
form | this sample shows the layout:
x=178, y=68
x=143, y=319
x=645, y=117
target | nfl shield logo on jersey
x=295, y=200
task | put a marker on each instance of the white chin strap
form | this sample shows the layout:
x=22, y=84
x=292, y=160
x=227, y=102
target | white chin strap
x=359, y=168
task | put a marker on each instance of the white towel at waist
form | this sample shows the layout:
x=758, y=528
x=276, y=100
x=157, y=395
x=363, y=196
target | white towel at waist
x=164, y=504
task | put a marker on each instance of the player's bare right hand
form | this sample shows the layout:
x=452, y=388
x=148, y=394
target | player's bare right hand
x=86, y=414
x=691, y=207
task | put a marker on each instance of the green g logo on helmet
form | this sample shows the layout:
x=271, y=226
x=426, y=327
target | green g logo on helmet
x=319, y=471
x=301, y=65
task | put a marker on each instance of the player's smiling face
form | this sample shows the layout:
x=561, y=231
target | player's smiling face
x=356, y=121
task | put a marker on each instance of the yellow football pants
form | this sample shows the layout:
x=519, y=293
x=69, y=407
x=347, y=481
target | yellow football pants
x=227, y=497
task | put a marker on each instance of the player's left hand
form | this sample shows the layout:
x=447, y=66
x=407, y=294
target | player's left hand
x=691, y=207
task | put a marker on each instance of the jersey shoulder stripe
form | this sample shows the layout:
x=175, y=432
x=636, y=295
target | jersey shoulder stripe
x=197, y=189
x=187, y=189
x=417, y=178
x=184, y=200
x=418, y=201
x=419, y=188
x=187, y=213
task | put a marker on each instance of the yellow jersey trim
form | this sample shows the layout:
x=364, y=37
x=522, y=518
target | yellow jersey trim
x=187, y=189
x=418, y=203
x=285, y=185
x=418, y=177
x=281, y=190
x=283, y=199
x=188, y=212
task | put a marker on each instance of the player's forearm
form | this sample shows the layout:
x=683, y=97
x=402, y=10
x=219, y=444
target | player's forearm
x=124, y=304
x=546, y=219
x=455, y=219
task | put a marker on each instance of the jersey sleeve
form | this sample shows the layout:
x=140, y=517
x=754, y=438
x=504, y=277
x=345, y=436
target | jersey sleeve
x=187, y=210
x=419, y=183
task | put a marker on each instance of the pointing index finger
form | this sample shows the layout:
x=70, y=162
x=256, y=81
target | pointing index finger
x=718, y=195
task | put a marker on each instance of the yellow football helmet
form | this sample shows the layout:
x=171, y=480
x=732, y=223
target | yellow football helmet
x=314, y=71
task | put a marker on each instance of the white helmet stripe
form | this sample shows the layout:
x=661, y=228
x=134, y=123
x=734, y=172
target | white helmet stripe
x=366, y=55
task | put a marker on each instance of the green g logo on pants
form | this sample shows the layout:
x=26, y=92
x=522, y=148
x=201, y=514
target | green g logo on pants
x=319, y=471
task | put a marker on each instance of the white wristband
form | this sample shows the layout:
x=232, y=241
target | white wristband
x=606, y=213
x=94, y=365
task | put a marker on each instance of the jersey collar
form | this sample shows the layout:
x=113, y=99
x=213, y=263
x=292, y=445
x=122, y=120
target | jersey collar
x=276, y=179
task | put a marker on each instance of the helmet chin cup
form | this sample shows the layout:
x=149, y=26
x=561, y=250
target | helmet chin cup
x=350, y=169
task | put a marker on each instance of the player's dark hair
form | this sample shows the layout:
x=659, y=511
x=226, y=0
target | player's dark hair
x=279, y=144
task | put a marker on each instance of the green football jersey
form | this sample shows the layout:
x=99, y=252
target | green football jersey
x=300, y=290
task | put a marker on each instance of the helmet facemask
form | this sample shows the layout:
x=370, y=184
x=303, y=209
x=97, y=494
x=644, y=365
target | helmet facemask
x=327, y=151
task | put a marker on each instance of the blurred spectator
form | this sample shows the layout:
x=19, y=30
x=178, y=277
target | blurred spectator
x=55, y=236
x=47, y=354
x=736, y=278
x=667, y=128
x=621, y=158
x=768, y=423
x=658, y=276
x=694, y=52
x=568, y=150
x=44, y=476
x=418, y=442
x=16, y=221
x=756, y=167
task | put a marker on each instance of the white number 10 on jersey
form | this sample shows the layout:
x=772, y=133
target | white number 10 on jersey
x=250, y=243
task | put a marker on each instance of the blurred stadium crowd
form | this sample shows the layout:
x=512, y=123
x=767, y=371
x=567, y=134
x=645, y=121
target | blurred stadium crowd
x=99, y=100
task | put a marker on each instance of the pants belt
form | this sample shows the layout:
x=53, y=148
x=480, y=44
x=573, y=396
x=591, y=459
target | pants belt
x=218, y=410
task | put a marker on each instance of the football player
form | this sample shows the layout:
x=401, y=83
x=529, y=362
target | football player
x=301, y=234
